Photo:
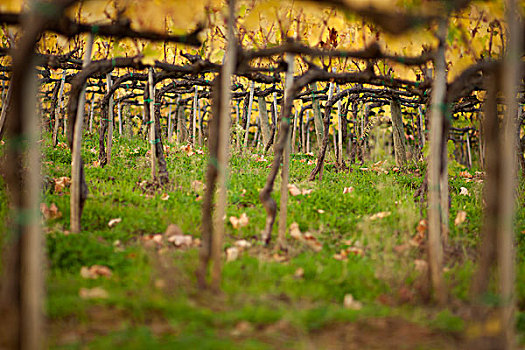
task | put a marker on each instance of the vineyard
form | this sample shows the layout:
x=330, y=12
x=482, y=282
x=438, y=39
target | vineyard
x=262, y=174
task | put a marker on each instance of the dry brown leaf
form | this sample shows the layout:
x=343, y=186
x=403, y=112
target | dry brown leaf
x=460, y=217
x=113, y=222
x=312, y=242
x=50, y=212
x=242, y=221
x=95, y=271
x=188, y=150
x=299, y=273
x=61, y=183
x=181, y=240
x=380, y=215
x=173, y=230
x=295, y=232
x=350, y=303
x=232, y=253
x=465, y=174
x=294, y=191
x=243, y=244
x=93, y=293
x=198, y=186
x=421, y=265
x=348, y=190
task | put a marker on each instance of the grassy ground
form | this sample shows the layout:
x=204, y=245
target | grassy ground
x=270, y=300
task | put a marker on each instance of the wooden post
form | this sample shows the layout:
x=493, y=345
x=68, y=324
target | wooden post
x=169, y=133
x=263, y=117
x=285, y=170
x=194, y=116
x=77, y=144
x=151, y=122
x=420, y=117
x=340, y=131
x=110, y=119
x=399, y=133
x=223, y=149
x=119, y=118
x=57, y=109
x=200, y=115
x=294, y=127
x=305, y=131
x=435, y=247
x=91, y=113
x=469, y=154
x=318, y=119
x=248, y=116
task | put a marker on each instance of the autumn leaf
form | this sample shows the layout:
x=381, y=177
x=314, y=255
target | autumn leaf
x=50, y=212
x=237, y=223
x=93, y=293
x=460, y=217
x=198, y=186
x=463, y=191
x=61, y=183
x=293, y=190
x=181, y=240
x=95, y=272
x=232, y=253
x=380, y=215
x=114, y=222
x=242, y=244
x=350, y=303
x=348, y=190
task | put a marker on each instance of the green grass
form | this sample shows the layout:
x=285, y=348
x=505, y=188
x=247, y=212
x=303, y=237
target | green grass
x=256, y=288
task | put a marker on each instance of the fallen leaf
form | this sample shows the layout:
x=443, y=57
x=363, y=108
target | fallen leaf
x=380, y=215
x=173, y=230
x=95, y=271
x=464, y=191
x=242, y=328
x=421, y=265
x=306, y=191
x=93, y=293
x=165, y=197
x=188, y=149
x=465, y=174
x=61, y=183
x=198, y=186
x=294, y=191
x=312, y=242
x=50, y=212
x=232, y=253
x=242, y=243
x=295, y=232
x=113, y=222
x=350, y=303
x=460, y=218
x=299, y=273
x=348, y=190
x=242, y=221
x=181, y=240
